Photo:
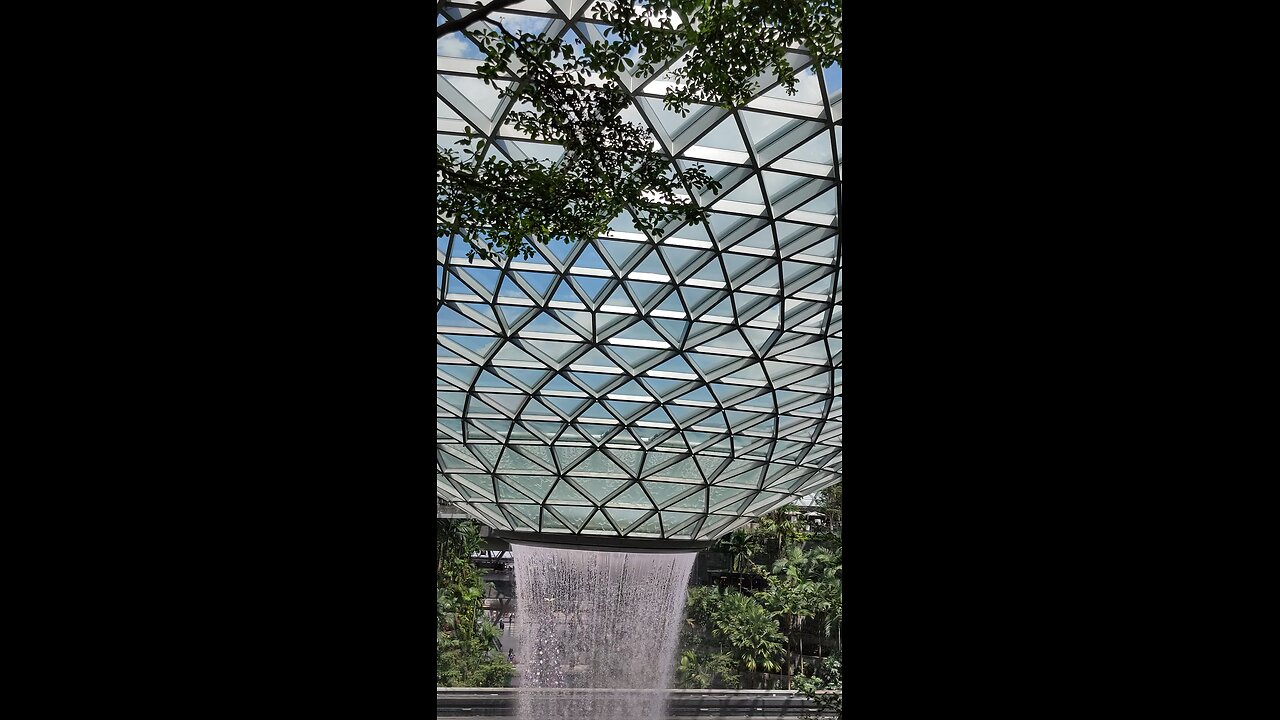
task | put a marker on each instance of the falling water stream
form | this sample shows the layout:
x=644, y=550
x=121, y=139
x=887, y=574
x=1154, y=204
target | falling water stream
x=598, y=631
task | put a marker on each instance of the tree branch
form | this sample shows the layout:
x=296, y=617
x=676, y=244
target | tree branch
x=472, y=18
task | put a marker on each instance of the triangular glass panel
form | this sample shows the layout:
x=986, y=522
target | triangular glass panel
x=490, y=511
x=516, y=463
x=508, y=493
x=625, y=518
x=652, y=264
x=711, y=465
x=563, y=493
x=620, y=301
x=526, y=379
x=489, y=381
x=680, y=259
x=675, y=365
x=454, y=401
x=510, y=354
x=513, y=315
x=689, y=531
x=600, y=464
x=711, y=272
x=463, y=375
x=762, y=239
x=599, y=488
x=627, y=410
x=557, y=249
x=724, y=136
x=683, y=413
x=447, y=317
x=595, y=358
x=608, y=323
x=552, y=523
x=590, y=258
x=715, y=527
x=483, y=281
x=527, y=513
x=568, y=454
x=686, y=469
x=509, y=290
x=564, y=293
x=730, y=394
x=538, y=282
x=762, y=127
x=540, y=454
x=575, y=320
x=817, y=151
x=646, y=293
x=675, y=302
x=558, y=352
x=708, y=364
x=671, y=122
x=642, y=332
x=482, y=314
x=632, y=497
x=663, y=492
x=672, y=330
x=749, y=479
x=633, y=390
x=721, y=495
x=618, y=251
x=664, y=389
x=674, y=522
x=546, y=323
x=597, y=384
x=569, y=406
x=592, y=288
x=747, y=192
x=599, y=521
x=574, y=516
x=824, y=203
x=649, y=528
x=473, y=488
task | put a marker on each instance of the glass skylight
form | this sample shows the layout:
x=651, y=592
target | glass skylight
x=667, y=386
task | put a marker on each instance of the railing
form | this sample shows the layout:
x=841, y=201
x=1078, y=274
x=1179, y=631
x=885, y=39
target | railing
x=754, y=704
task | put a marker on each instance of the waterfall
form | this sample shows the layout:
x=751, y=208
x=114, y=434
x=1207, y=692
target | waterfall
x=598, y=631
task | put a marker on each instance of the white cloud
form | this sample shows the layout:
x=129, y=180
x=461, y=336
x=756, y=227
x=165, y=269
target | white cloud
x=455, y=45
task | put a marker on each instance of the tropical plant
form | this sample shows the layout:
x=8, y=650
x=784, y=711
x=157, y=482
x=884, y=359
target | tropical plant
x=824, y=689
x=707, y=671
x=753, y=633
x=740, y=546
x=778, y=530
x=466, y=641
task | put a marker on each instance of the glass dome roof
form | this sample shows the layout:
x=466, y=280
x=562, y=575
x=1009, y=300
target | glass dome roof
x=671, y=386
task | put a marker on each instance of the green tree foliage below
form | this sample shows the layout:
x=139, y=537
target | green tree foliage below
x=732, y=639
x=466, y=642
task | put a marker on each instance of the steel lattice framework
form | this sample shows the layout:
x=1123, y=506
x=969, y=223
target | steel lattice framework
x=670, y=386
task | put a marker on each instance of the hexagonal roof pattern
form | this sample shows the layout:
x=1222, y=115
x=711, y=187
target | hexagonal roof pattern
x=670, y=386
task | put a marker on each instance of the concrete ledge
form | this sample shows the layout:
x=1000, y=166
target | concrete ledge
x=602, y=543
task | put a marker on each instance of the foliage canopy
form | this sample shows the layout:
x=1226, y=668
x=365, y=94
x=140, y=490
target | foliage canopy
x=714, y=51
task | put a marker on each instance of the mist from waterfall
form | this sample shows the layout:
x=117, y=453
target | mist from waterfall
x=598, y=631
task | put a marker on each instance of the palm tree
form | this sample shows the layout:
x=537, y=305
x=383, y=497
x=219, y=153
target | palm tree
x=754, y=634
x=781, y=529
x=740, y=546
